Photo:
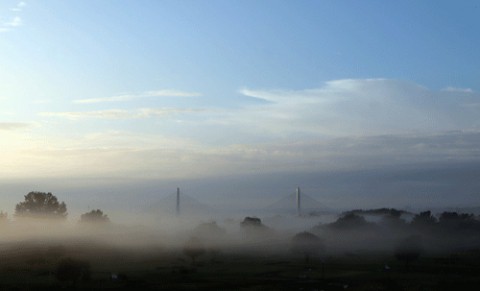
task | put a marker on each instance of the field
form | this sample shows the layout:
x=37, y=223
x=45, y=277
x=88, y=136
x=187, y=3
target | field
x=34, y=265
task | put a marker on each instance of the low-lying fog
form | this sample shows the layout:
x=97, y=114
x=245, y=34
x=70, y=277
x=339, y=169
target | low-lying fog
x=380, y=231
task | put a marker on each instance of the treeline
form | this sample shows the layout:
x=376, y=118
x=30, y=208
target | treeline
x=42, y=205
x=445, y=232
x=397, y=219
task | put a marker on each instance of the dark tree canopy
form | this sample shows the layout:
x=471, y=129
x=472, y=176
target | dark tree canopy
x=94, y=216
x=425, y=218
x=251, y=221
x=40, y=204
x=350, y=221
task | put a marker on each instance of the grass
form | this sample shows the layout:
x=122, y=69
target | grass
x=31, y=266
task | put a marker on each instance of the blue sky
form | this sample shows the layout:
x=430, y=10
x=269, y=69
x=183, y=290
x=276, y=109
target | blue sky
x=192, y=89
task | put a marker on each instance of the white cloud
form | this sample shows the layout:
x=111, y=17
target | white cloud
x=158, y=112
x=344, y=124
x=458, y=90
x=117, y=98
x=171, y=93
x=42, y=101
x=130, y=97
x=13, y=125
x=102, y=114
x=136, y=155
x=360, y=107
x=19, y=7
x=120, y=113
x=15, y=22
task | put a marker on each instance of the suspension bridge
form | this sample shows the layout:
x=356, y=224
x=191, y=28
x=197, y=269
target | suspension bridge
x=296, y=203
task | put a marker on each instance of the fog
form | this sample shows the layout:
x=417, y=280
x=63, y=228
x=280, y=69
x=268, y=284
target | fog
x=143, y=222
x=340, y=234
x=208, y=247
x=413, y=186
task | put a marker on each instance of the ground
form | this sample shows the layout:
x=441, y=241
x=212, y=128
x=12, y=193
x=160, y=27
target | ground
x=31, y=265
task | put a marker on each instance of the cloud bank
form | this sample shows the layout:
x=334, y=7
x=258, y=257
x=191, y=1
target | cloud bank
x=342, y=125
x=365, y=107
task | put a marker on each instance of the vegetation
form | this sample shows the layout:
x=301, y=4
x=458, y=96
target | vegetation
x=94, y=216
x=350, y=221
x=378, y=211
x=251, y=221
x=308, y=245
x=387, y=252
x=41, y=205
x=193, y=248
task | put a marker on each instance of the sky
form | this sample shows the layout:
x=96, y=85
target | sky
x=94, y=94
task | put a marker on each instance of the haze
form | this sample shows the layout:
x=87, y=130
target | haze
x=114, y=104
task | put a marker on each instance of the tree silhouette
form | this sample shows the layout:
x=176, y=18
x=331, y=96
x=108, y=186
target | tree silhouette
x=193, y=248
x=253, y=227
x=455, y=221
x=351, y=221
x=307, y=244
x=425, y=218
x=94, y=216
x=251, y=221
x=40, y=204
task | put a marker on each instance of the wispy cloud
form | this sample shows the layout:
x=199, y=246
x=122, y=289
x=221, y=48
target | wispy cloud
x=19, y=7
x=9, y=25
x=101, y=114
x=118, y=98
x=15, y=21
x=13, y=125
x=130, y=97
x=120, y=113
x=361, y=107
x=344, y=124
x=459, y=90
x=124, y=154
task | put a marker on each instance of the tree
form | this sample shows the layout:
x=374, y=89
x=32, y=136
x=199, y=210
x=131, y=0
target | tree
x=94, y=216
x=307, y=244
x=193, y=248
x=424, y=219
x=351, y=221
x=251, y=221
x=253, y=227
x=40, y=204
